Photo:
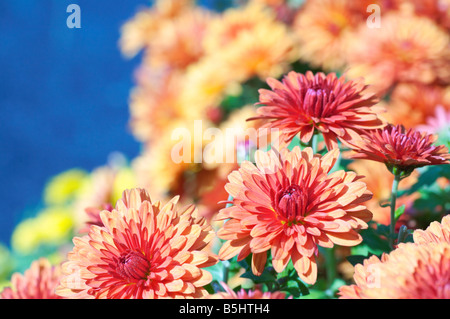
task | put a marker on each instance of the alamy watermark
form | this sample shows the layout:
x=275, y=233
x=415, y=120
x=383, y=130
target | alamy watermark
x=374, y=20
x=74, y=19
x=215, y=146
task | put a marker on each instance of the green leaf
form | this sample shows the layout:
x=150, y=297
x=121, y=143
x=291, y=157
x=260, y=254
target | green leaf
x=374, y=241
x=399, y=211
x=265, y=277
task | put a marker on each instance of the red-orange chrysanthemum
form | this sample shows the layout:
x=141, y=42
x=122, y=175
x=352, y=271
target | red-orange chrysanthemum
x=144, y=250
x=435, y=233
x=411, y=271
x=255, y=293
x=302, y=104
x=405, y=149
x=38, y=282
x=290, y=203
x=419, y=270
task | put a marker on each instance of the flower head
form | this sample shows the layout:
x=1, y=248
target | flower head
x=412, y=104
x=419, y=270
x=144, y=250
x=435, y=233
x=405, y=149
x=325, y=103
x=407, y=48
x=411, y=271
x=289, y=203
x=38, y=282
x=325, y=29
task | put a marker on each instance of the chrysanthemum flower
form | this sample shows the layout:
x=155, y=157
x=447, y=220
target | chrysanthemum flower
x=250, y=41
x=436, y=10
x=255, y=293
x=407, y=48
x=381, y=188
x=437, y=123
x=178, y=42
x=327, y=104
x=411, y=104
x=289, y=203
x=325, y=29
x=405, y=149
x=435, y=233
x=228, y=26
x=264, y=51
x=144, y=250
x=138, y=33
x=37, y=282
x=411, y=271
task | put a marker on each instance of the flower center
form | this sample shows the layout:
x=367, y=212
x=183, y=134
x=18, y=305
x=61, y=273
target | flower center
x=291, y=204
x=133, y=265
x=317, y=102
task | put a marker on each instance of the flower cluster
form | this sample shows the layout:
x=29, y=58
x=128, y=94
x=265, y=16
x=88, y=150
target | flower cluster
x=289, y=148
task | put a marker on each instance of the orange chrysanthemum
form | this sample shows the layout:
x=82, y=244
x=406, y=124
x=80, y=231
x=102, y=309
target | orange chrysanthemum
x=412, y=271
x=435, y=233
x=308, y=103
x=405, y=149
x=325, y=29
x=250, y=41
x=144, y=250
x=178, y=42
x=255, y=293
x=419, y=270
x=38, y=282
x=411, y=104
x=407, y=48
x=289, y=203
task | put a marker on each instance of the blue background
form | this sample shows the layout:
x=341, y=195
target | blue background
x=63, y=95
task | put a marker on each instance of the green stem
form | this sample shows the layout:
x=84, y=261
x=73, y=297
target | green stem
x=314, y=142
x=397, y=175
x=330, y=265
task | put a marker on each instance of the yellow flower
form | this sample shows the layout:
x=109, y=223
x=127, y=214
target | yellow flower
x=52, y=226
x=64, y=187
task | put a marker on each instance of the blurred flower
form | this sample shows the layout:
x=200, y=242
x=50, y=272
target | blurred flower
x=38, y=282
x=155, y=102
x=406, y=48
x=104, y=186
x=178, y=42
x=265, y=51
x=251, y=42
x=144, y=250
x=64, y=187
x=325, y=29
x=139, y=32
x=327, y=104
x=436, y=10
x=405, y=149
x=233, y=22
x=409, y=272
x=290, y=204
x=411, y=104
x=51, y=226
x=437, y=123
x=205, y=85
x=381, y=188
x=256, y=293
x=435, y=233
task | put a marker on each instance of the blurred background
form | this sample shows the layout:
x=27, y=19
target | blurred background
x=63, y=96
